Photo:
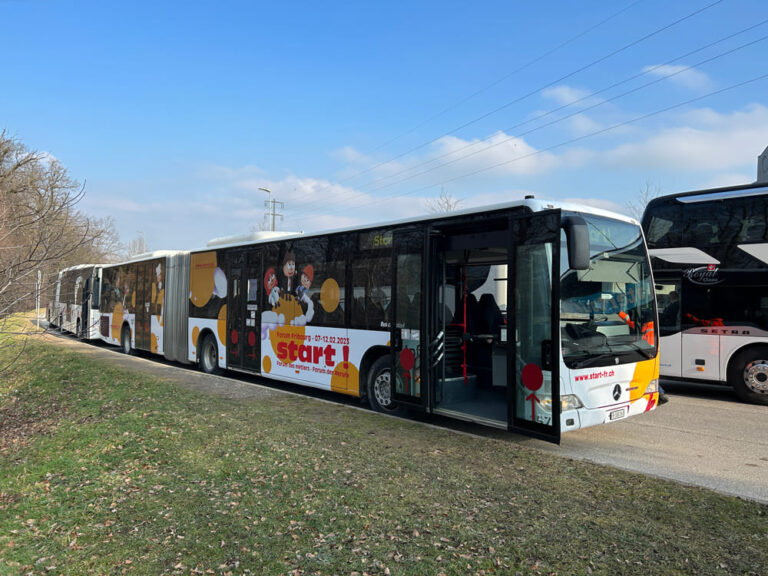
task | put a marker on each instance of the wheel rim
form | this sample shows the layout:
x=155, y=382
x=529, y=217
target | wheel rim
x=209, y=357
x=126, y=341
x=382, y=389
x=756, y=376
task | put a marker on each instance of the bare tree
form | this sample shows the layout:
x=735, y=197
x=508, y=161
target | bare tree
x=636, y=206
x=135, y=247
x=445, y=203
x=41, y=230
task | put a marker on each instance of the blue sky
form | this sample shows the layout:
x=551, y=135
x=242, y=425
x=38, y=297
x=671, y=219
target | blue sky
x=174, y=114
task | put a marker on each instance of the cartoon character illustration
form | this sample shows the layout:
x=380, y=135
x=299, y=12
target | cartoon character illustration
x=219, y=283
x=270, y=284
x=307, y=275
x=289, y=270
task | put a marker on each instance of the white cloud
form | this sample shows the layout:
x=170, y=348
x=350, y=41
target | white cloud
x=708, y=141
x=730, y=179
x=565, y=95
x=689, y=78
x=48, y=158
x=350, y=155
x=581, y=124
x=499, y=153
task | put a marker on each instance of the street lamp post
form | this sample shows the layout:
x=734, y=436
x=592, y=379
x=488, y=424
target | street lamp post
x=268, y=204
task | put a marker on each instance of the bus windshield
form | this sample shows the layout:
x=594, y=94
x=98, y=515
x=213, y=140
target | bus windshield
x=607, y=312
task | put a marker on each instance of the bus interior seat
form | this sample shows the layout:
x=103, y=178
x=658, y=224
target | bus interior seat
x=490, y=315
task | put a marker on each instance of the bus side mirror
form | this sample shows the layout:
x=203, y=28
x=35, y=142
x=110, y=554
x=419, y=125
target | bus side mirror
x=577, y=237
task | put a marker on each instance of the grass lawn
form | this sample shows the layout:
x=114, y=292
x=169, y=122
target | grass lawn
x=104, y=471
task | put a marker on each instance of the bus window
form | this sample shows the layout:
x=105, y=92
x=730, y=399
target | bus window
x=664, y=226
x=668, y=297
x=371, y=292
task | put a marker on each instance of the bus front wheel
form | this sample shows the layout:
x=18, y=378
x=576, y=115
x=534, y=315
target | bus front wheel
x=748, y=374
x=209, y=355
x=379, y=389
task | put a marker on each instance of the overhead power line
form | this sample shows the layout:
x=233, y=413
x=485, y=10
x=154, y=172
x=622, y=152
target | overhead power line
x=498, y=81
x=589, y=96
x=562, y=119
x=570, y=141
x=552, y=83
x=310, y=205
x=560, y=144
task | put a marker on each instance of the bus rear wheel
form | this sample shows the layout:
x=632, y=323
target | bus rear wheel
x=209, y=355
x=125, y=340
x=379, y=389
x=748, y=374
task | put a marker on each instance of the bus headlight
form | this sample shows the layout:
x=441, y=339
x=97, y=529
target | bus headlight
x=567, y=402
x=570, y=402
x=653, y=386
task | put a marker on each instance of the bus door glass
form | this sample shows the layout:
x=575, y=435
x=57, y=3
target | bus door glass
x=243, y=316
x=407, y=316
x=142, y=305
x=235, y=308
x=251, y=329
x=670, y=345
x=535, y=396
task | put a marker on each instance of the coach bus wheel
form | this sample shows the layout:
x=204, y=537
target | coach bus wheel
x=378, y=388
x=77, y=329
x=125, y=340
x=209, y=355
x=748, y=374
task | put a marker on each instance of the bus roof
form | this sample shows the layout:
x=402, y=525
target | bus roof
x=532, y=203
x=713, y=194
x=79, y=267
x=146, y=256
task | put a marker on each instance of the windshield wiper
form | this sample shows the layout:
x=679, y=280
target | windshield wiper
x=589, y=360
x=642, y=350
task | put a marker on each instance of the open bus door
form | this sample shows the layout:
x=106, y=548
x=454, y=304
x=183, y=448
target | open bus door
x=407, y=317
x=533, y=324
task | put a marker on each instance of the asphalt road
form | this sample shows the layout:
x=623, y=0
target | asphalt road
x=703, y=436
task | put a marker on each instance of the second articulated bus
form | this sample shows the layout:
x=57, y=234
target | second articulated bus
x=74, y=304
x=526, y=316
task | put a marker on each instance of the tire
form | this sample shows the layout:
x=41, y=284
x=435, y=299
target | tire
x=748, y=374
x=77, y=329
x=209, y=355
x=125, y=340
x=378, y=388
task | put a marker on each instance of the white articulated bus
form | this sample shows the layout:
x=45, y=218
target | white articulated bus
x=527, y=316
x=74, y=305
x=710, y=261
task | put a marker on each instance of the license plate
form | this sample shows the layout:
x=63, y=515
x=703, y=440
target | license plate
x=617, y=414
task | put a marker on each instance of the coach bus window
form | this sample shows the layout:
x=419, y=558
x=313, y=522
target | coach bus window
x=664, y=227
